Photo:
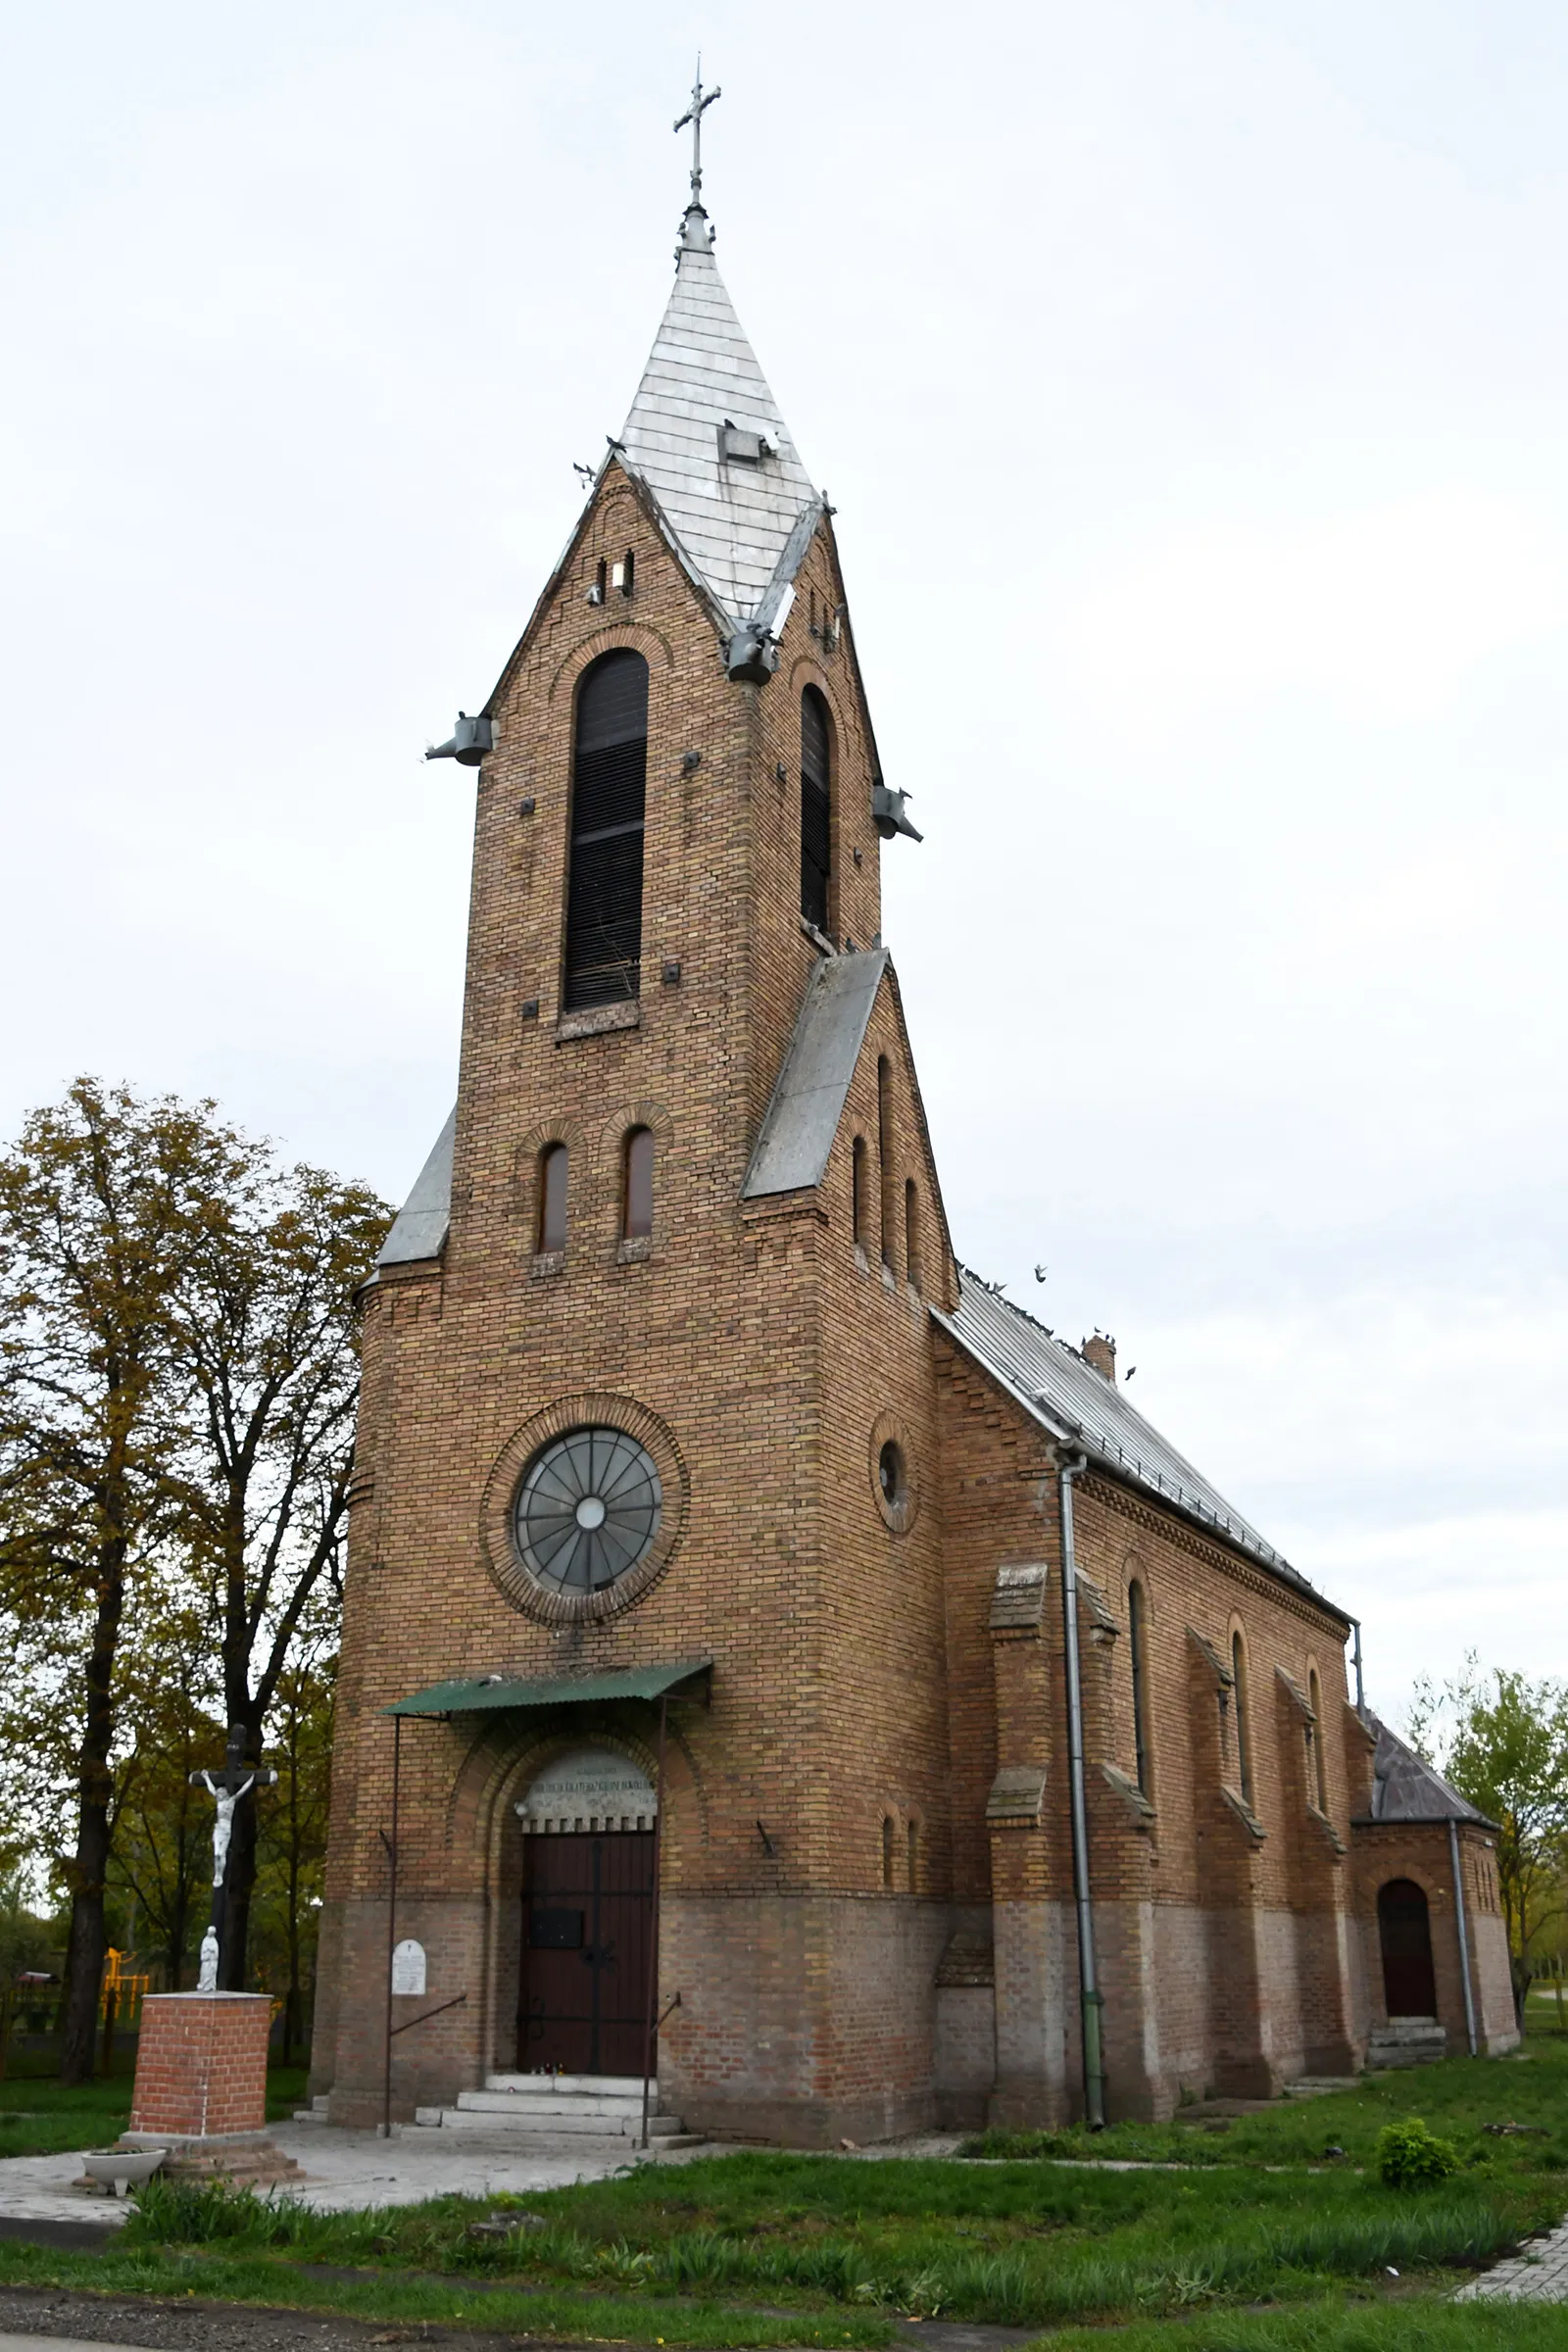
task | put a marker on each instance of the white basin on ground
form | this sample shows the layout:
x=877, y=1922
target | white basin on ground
x=124, y=2167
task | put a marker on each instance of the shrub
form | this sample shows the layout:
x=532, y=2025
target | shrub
x=1409, y=2156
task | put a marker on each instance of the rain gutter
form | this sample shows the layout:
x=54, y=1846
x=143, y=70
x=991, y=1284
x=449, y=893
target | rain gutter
x=1091, y=1998
x=1465, y=1933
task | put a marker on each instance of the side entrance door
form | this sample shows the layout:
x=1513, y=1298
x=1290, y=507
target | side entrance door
x=587, y=1945
x=1404, y=1930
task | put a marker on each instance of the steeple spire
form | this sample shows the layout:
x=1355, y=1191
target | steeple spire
x=706, y=437
x=695, y=231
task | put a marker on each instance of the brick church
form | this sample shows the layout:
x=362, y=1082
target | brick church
x=774, y=1664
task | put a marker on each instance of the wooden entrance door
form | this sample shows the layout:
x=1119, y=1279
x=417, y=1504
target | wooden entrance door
x=1406, y=1934
x=587, y=1945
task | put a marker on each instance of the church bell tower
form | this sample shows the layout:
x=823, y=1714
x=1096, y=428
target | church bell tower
x=643, y=1616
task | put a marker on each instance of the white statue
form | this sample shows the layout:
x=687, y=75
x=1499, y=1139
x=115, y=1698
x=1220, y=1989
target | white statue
x=207, y=1982
x=224, y=1822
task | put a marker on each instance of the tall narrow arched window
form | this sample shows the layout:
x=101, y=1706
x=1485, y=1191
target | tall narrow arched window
x=859, y=1207
x=889, y=1183
x=912, y=1839
x=1243, y=1736
x=553, y=1165
x=637, y=1186
x=816, y=809
x=1138, y=1649
x=1318, y=1776
x=911, y=1234
x=887, y=1849
x=609, y=793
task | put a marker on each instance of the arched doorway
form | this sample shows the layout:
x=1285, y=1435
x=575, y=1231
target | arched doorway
x=1406, y=1934
x=588, y=1822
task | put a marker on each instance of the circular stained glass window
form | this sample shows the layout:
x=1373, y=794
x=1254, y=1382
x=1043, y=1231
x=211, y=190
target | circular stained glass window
x=587, y=1509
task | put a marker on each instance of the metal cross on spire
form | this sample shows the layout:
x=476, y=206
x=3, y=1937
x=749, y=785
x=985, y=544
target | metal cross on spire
x=700, y=102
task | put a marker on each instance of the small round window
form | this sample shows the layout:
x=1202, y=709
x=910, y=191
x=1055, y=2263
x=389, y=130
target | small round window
x=587, y=1509
x=892, y=1477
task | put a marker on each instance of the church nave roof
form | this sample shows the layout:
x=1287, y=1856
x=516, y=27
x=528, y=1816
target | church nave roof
x=1056, y=1384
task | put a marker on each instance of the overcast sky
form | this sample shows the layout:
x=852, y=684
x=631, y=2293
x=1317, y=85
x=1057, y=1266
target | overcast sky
x=1191, y=382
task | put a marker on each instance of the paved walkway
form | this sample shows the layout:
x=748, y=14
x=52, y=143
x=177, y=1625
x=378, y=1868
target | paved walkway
x=57, y=2343
x=1537, y=2274
x=344, y=2169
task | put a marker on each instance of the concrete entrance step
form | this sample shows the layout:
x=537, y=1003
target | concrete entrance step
x=316, y=2112
x=1407, y=2042
x=577, y=2087
x=548, y=2111
x=543, y=2123
x=559, y=2106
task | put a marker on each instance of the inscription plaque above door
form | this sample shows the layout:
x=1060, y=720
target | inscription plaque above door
x=590, y=1789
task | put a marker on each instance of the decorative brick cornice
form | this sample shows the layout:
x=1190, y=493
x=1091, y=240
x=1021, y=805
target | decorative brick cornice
x=1230, y=1560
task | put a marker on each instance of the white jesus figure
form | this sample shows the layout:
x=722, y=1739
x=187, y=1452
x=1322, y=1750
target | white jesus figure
x=225, y=1800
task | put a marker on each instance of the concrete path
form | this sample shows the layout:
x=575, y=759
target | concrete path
x=1537, y=2275
x=343, y=2170
x=57, y=2343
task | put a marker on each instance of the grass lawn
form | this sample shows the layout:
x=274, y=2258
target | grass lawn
x=39, y=2116
x=1456, y=2098
x=1258, y=2241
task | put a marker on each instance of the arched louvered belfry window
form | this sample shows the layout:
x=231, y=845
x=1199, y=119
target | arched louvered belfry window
x=816, y=810
x=608, y=791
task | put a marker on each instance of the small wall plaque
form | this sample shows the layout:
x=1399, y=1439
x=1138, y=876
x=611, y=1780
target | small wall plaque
x=408, y=1968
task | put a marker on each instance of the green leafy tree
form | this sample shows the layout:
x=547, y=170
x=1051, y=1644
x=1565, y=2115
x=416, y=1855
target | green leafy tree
x=177, y=1386
x=1502, y=1741
x=100, y=1204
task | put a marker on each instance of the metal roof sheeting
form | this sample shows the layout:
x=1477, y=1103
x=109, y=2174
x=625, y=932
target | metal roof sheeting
x=493, y=1693
x=1053, y=1381
x=1404, y=1788
x=802, y=1118
x=733, y=518
x=419, y=1229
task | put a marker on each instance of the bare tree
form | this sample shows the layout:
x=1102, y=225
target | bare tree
x=267, y=1324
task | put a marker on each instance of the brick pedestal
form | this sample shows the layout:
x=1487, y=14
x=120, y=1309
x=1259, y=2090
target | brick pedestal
x=200, y=2065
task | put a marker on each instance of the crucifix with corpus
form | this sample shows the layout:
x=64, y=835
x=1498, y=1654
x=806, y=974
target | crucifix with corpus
x=702, y=100
x=228, y=1787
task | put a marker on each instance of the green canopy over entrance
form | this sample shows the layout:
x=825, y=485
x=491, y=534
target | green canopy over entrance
x=495, y=1692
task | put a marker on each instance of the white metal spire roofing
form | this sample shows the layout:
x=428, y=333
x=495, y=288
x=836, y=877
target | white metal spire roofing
x=733, y=518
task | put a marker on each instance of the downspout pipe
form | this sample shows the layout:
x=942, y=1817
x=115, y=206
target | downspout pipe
x=1465, y=1933
x=1355, y=1661
x=1090, y=1999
